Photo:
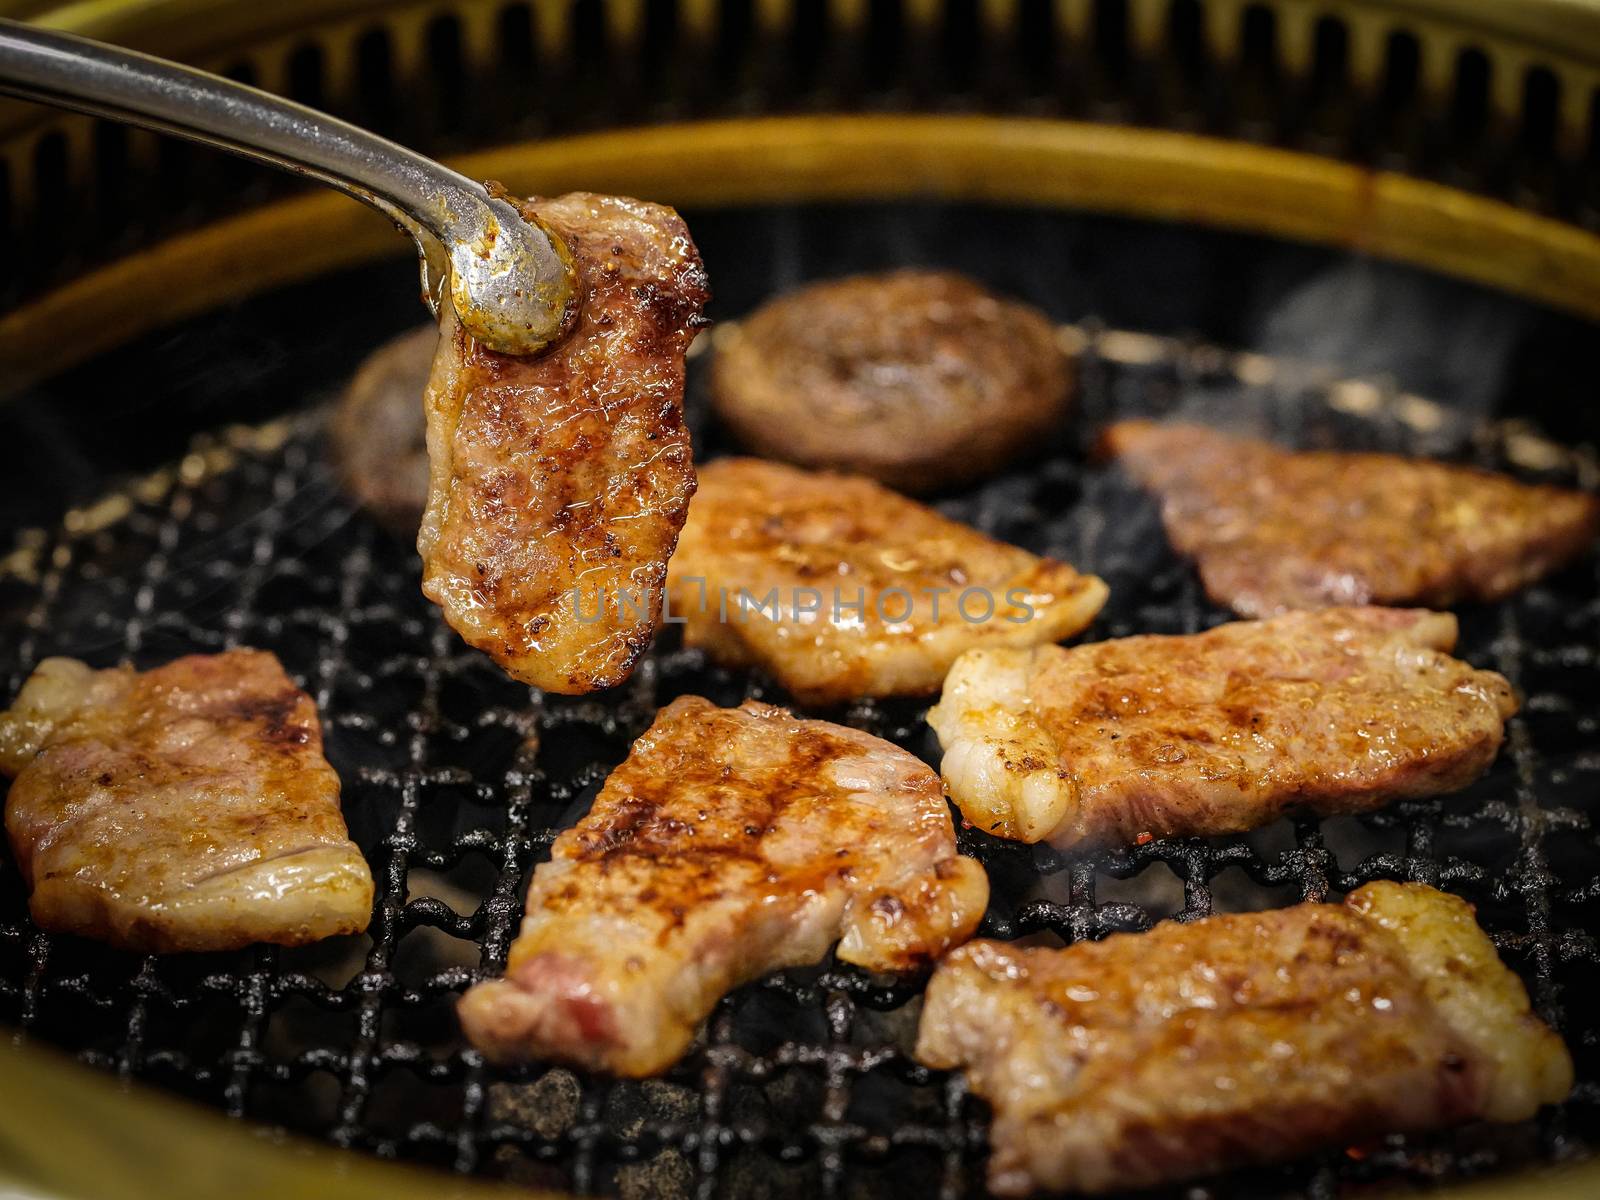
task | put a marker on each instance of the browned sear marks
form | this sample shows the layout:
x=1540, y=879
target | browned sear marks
x=1272, y=530
x=1195, y=1048
x=732, y=842
x=185, y=808
x=842, y=588
x=1338, y=711
x=560, y=481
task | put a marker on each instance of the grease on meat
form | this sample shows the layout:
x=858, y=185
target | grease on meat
x=560, y=481
x=185, y=808
x=1195, y=1048
x=1271, y=530
x=1339, y=710
x=873, y=594
x=731, y=842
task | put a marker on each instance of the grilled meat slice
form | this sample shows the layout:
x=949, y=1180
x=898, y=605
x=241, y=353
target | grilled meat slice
x=1340, y=710
x=851, y=590
x=1148, y=1058
x=1272, y=530
x=733, y=841
x=918, y=379
x=379, y=434
x=184, y=808
x=560, y=481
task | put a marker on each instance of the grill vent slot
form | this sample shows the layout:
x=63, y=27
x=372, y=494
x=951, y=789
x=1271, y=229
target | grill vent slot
x=306, y=75
x=375, y=82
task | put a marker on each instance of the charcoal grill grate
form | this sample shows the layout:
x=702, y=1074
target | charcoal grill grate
x=457, y=780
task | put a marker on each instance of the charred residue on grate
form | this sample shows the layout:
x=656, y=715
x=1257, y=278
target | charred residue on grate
x=457, y=780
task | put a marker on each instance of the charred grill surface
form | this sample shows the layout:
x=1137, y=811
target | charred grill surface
x=457, y=780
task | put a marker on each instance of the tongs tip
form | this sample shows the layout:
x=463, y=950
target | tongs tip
x=512, y=285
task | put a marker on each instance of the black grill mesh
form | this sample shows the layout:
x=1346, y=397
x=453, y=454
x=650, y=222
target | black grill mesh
x=456, y=781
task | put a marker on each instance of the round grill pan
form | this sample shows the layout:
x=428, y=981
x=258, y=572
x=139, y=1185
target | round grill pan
x=200, y=511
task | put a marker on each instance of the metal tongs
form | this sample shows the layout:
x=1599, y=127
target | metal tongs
x=510, y=280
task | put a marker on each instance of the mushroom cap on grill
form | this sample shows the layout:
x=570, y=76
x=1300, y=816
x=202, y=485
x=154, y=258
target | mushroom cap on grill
x=918, y=379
